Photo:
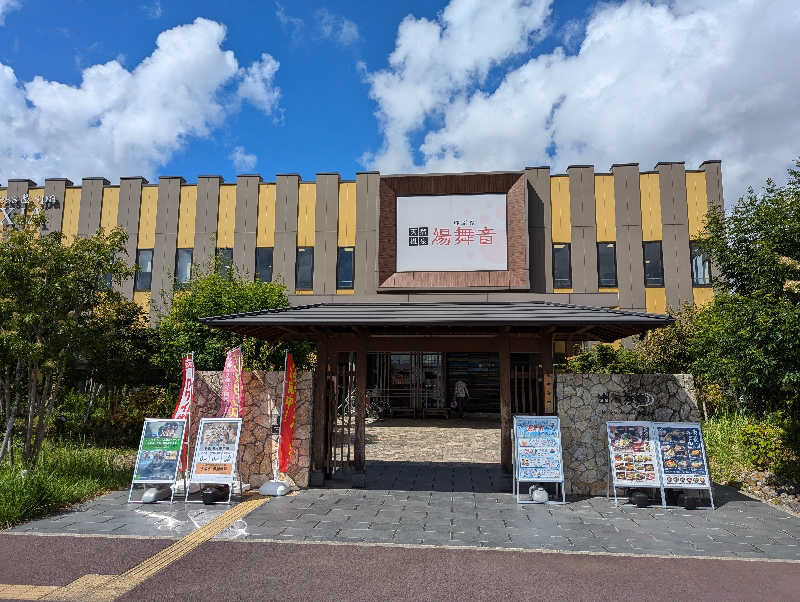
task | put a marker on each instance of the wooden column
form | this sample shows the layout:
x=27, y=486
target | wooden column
x=547, y=373
x=359, y=453
x=504, y=348
x=320, y=415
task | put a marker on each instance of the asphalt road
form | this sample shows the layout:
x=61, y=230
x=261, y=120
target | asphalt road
x=225, y=570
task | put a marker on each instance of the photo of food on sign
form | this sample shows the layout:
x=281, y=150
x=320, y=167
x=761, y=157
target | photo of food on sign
x=681, y=451
x=633, y=456
x=538, y=449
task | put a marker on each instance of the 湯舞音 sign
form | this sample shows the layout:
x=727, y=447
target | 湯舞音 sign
x=452, y=233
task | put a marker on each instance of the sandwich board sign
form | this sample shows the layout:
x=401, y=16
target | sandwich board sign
x=159, y=450
x=215, y=451
x=633, y=455
x=537, y=452
x=682, y=456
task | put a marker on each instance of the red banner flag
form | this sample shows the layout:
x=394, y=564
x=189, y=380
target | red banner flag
x=184, y=407
x=232, y=394
x=287, y=414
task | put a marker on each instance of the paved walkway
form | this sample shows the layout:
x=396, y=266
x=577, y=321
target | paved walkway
x=457, y=505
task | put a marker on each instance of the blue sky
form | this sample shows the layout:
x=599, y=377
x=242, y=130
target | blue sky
x=473, y=85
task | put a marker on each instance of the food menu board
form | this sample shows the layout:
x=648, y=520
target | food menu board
x=538, y=449
x=634, y=461
x=682, y=455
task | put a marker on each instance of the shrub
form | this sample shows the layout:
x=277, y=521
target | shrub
x=763, y=445
x=606, y=359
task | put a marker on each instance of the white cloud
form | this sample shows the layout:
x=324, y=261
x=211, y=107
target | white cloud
x=292, y=25
x=242, y=160
x=686, y=80
x=435, y=62
x=121, y=122
x=152, y=10
x=258, y=84
x=336, y=28
x=6, y=6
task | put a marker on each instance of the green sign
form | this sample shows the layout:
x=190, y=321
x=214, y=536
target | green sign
x=159, y=450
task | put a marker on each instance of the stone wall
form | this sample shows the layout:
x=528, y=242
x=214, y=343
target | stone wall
x=263, y=394
x=583, y=417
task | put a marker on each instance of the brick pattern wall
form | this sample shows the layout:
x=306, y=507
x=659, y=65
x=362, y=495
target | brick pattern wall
x=263, y=394
x=516, y=277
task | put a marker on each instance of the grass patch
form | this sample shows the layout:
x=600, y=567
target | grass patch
x=726, y=457
x=66, y=474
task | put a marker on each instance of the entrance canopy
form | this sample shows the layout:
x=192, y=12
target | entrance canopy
x=572, y=322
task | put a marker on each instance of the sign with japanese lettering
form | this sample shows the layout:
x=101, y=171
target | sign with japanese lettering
x=215, y=452
x=633, y=454
x=452, y=233
x=157, y=458
x=683, y=455
x=538, y=448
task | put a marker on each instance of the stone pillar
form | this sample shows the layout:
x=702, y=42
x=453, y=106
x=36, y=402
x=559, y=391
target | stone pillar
x=505, y=402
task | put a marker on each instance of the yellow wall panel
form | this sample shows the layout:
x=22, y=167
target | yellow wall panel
x=265, y=236
x=226, y=218
x=702, y=294
x=110, y=208
x=559, y=202
x=299, y=292
x=345, y=291
x=697, y=201
x=147, y=218
x=142, y=299
x=187, y=212
x=608, y=290
x=605, y=210
x=306, y=214
x=655, y=300
x=563, y=290
x=69, y=221
x=347, y=214
x=651, y=206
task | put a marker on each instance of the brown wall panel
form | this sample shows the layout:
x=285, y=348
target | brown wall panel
x=55, y=187
x=130, y=200
x=91, y=206
x=326, y=234
x=584, y=229
x=285, y=253
x=714, y=196
x=675, y=237
x=246, y=226
x=368, y=231
x=166, y=241
x=539, y=229
x=205, y=225
x=628, y=216
x=18, y=187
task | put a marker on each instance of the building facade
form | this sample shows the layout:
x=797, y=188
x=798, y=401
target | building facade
x=426, y=294
x=619, y=239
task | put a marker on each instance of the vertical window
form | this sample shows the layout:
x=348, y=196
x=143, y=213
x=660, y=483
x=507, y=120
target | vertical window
x=653, y=264
x=606, y=264
x=344, y=268
x=183, y=267
x=304, y=269
x=264, y=264
x=562, y=266
x=144, y=275
x=225, y=257
x=701, y=266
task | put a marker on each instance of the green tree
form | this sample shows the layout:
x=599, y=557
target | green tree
x=213, y=293
x=606, y=359
x=668, y=350
x=748, y=337
x=49, y=295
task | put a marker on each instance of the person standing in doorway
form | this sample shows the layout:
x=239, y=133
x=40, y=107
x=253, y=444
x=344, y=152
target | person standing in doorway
x=461, y=395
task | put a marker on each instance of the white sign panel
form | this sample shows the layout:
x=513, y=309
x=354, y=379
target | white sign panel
x=452, y=233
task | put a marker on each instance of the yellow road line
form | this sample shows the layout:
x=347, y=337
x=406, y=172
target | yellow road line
x=108, y=587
